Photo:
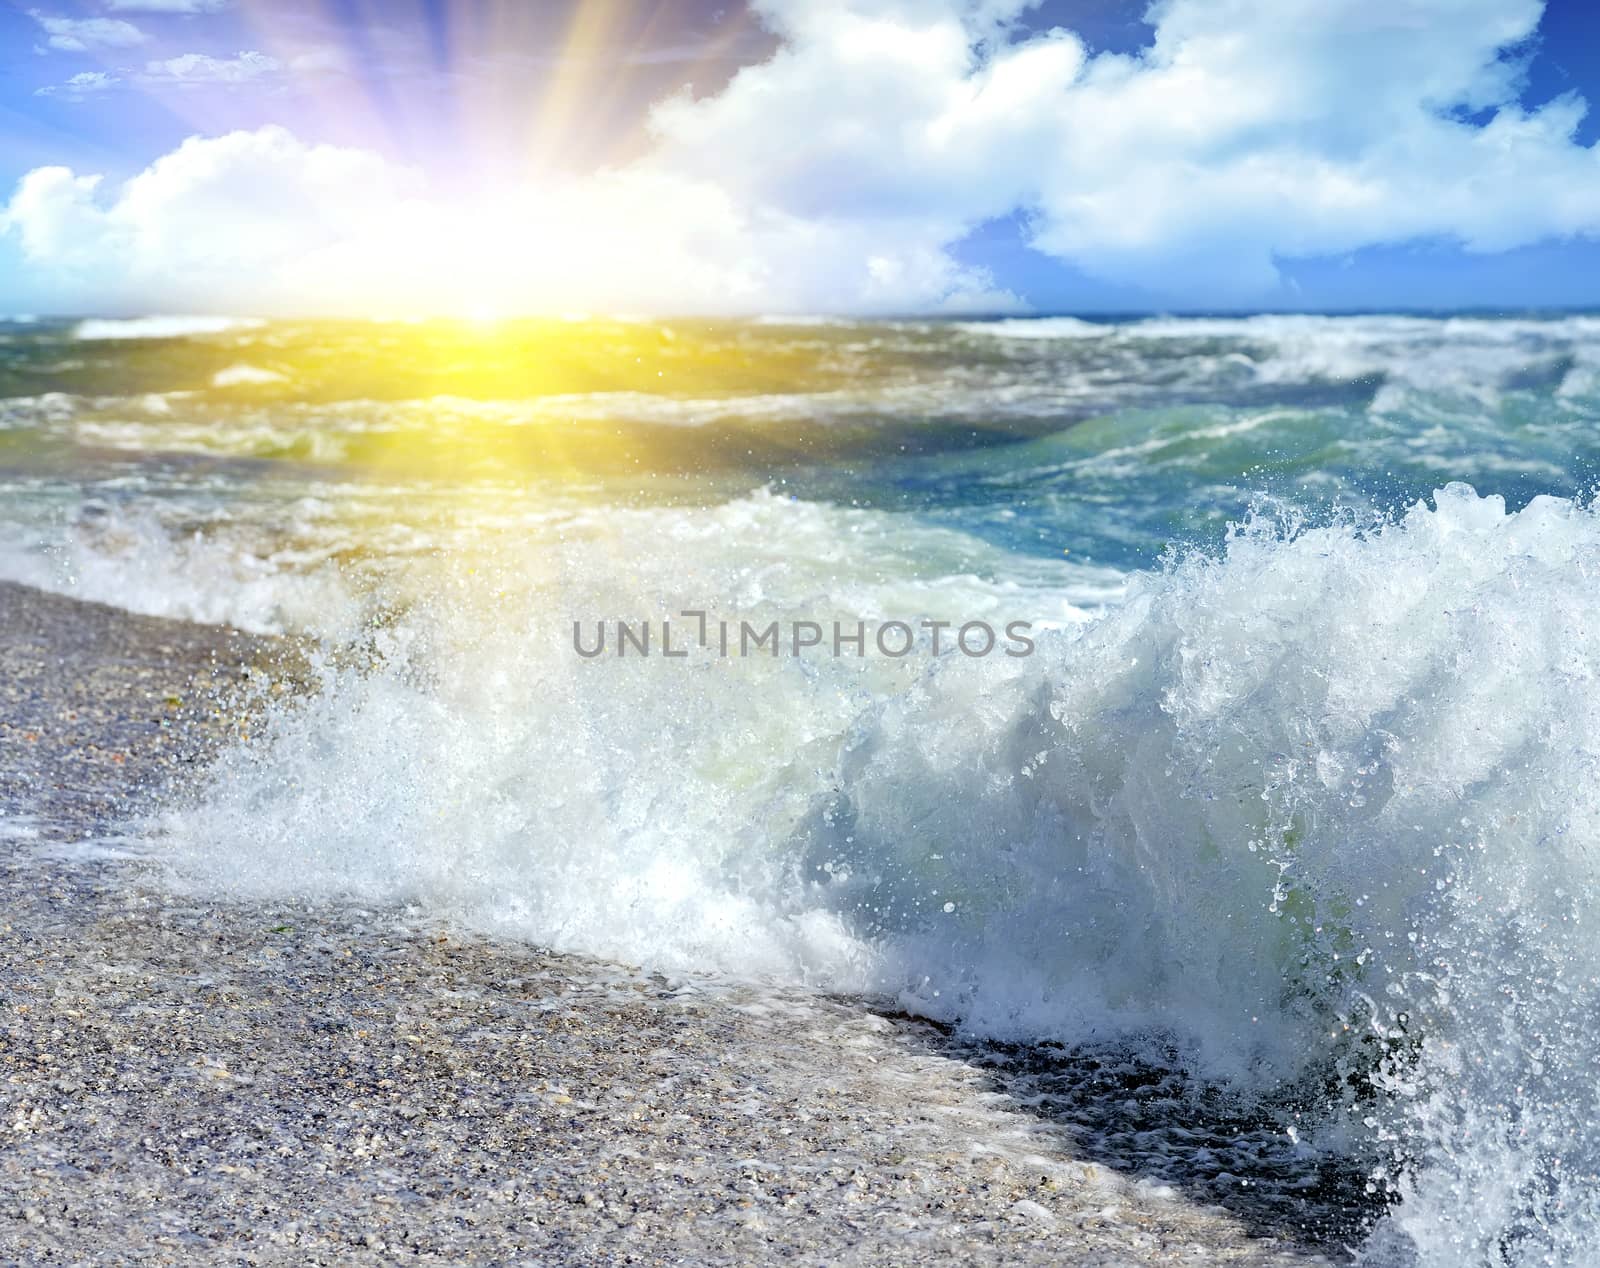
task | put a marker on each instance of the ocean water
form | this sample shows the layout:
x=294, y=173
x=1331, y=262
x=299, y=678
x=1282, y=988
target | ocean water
x=1297, y=790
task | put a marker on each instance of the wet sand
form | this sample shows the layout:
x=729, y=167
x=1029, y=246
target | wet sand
x=192, y=1082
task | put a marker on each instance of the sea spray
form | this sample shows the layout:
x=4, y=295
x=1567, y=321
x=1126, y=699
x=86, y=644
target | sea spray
x=1318, y=811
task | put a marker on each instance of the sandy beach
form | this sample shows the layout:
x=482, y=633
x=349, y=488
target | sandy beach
x=188, y=1082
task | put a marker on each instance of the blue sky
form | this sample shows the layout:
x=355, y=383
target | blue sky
x=874, y=155
x=408, y=73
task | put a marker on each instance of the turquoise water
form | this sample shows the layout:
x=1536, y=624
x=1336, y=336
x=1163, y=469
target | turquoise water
x=1111, y=440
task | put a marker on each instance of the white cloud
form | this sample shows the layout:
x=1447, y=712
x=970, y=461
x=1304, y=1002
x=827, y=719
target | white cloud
x=54, y=215
x=838, y=174
x=1250, y=131
x=248, y=67
x=166, y=6
x=201, y=68
x=263, y=222
x=80, y=86
x=80, y=35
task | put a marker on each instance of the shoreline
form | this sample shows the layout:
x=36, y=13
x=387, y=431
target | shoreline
x=190, y=1081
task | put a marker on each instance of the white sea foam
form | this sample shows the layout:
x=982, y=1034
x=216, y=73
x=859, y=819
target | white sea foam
x=1472, y=358
x=173, y=327
x=216, y=572
x=1039, y=328
x=245, y=375
x=37, y=413
x=293, y=572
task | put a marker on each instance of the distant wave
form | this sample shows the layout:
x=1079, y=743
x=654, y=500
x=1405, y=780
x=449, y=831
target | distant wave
x=159, y=327
x=1039, y=328
x=244, y=375
x=804, y=319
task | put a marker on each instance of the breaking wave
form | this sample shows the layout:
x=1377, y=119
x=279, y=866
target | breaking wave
x=1319, y=809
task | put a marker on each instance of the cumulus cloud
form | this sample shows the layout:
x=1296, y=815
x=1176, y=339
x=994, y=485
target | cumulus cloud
x=80, y=35
x=840, y=173
x=1251, y=130
x=80, y=87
